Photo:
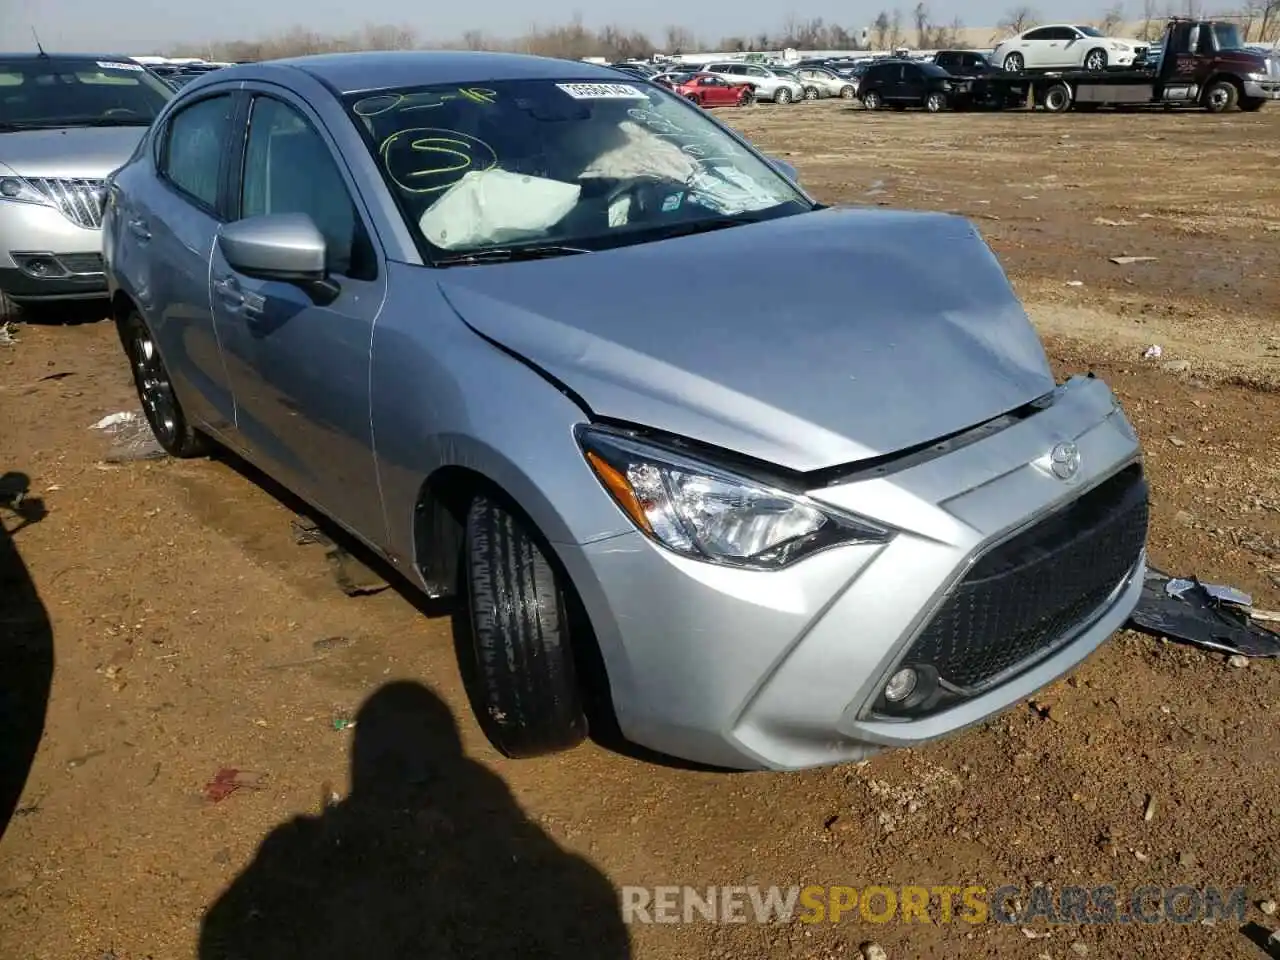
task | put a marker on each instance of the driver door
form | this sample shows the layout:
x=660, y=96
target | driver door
x=298, y=368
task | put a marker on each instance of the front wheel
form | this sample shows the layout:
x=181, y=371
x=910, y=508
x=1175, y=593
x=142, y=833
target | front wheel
x=1095, y=61
x=872, y=100
x=693, y=98
x=935, y=103
x=782, y=96
x=155, y=390
x=811, y=93
x=527, y=696
x=1014, y=63
x=1220, y=96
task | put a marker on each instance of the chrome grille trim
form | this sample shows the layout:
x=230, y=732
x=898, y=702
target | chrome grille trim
x=79, y=199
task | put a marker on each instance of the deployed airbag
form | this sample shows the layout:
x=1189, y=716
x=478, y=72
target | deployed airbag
x=493, y=206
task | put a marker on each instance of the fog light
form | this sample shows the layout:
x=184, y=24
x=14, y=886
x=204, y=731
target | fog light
x=901, y=685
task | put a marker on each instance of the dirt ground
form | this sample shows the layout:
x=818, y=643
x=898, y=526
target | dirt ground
x=190, y=633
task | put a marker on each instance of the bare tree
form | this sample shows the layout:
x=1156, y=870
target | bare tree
x=680, y=40
x=1148, y=16
x=880, y=30
x=921, y=17
x=1111, y=19
x=895, y=29
x=1018, y=19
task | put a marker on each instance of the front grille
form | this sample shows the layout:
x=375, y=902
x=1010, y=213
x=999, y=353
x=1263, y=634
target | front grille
x=81, y=262
x=1025, y=595
x=78, y=199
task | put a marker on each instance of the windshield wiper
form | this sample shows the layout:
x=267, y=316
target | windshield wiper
x=508, y=255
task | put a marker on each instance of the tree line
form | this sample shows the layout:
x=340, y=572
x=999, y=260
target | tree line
x=1259, y=21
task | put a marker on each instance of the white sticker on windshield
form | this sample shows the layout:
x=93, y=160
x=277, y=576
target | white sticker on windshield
x=113, y=65
x=602, y=91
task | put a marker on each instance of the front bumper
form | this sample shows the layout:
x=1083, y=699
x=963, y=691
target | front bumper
x=782, y=669
x=1262, y=89
x=44, y=256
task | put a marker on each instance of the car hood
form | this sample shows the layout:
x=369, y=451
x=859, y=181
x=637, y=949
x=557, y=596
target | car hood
x=807, y=341
x=91, y=152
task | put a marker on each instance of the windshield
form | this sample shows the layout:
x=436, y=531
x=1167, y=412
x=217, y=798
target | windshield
x=63, y=92
x=586, y=165
x=1227, y=36
x=1091, y=31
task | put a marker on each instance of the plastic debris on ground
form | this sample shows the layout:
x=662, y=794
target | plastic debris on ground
x=228, y=780
x=1206, y=614
x=131, y=437
x=352, y=576
x=7, y=338
x=1123, y=261
x=1153, y=352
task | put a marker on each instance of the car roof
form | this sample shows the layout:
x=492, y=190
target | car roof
x=67, y=56
x=376, y=70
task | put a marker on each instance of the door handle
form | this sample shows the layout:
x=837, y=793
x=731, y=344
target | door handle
x=138, y=227
x=229, y=292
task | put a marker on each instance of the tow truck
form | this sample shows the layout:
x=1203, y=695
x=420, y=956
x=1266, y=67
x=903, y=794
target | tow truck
x=1204, y=63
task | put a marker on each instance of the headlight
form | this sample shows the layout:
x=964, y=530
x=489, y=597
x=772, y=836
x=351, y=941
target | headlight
x=1122, y=47
x=17, y=189
x=1256, y=76
x=709, y=513
x=946, y=84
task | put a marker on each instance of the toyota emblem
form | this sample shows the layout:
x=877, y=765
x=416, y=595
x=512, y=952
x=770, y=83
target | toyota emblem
x=1064, y=460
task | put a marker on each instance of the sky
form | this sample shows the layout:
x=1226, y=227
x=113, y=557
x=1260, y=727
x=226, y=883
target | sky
x=137, y=27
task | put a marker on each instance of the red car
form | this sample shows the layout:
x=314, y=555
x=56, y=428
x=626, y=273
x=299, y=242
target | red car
x=708, y=90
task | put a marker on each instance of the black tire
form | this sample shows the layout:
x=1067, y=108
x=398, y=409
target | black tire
x=527, y=696
x=872, y=100
x=1057, y=99
x=748, y=97
x=1221, y=96
x=935, y=102
x=1013, y=63
x=1251, y=104
x=1095, y=61
x=159, y=400
x=693, y=98
x=783, y=95
x=847, y=92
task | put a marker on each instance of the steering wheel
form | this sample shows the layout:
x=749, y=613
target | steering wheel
x=646, y=194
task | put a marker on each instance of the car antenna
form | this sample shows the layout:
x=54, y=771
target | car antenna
x=36, y=37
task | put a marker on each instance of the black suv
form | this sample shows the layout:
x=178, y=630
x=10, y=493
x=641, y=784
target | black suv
x=911, y=83
x=963, y=63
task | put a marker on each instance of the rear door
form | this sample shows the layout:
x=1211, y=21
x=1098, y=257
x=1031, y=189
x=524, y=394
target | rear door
x=299, y=369
x=1036, y=48
x=168, y=222
x=913, y=84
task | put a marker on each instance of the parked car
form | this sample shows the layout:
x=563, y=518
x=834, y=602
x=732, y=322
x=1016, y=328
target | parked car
x=646, y=71
x=679, y=521
x=65, y=123
x=827, y=82
x=769, y=84
x=708, y=89
x=912, y=83
x=1065, y=47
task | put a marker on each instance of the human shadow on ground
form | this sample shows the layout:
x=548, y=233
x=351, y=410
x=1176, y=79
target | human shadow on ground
x=428, y=857
x=26, y=649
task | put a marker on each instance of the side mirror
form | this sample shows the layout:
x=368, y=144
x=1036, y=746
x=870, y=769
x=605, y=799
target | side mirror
x=282, y=246
x=786, y=169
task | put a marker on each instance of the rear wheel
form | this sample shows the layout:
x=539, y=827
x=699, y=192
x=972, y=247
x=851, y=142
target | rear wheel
x=527, y=695
x=747, y=97
x=847, y=92
x=693, y=98
x=1095, y=60
x=935, y=103
x=872, y=100
x=159, y=401
x=811, y=93
x=782, y=96
x=1220, y=96
x=1057, y=99
x=1014, y=63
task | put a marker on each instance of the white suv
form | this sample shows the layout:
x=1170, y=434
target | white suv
x=768, y=85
